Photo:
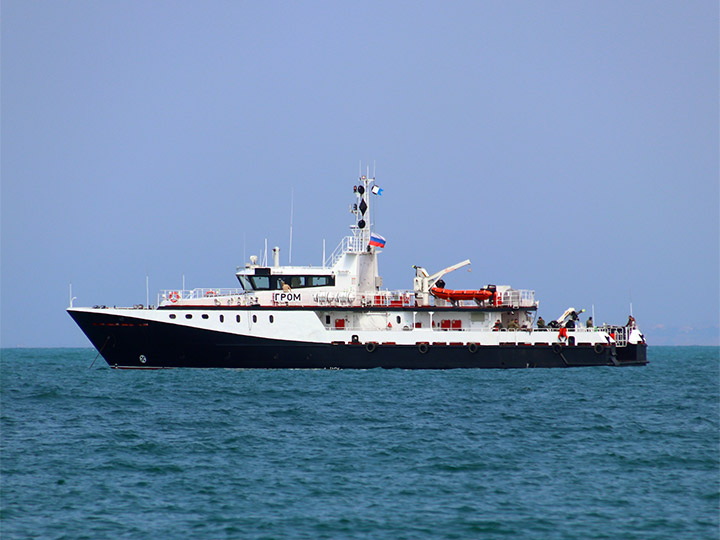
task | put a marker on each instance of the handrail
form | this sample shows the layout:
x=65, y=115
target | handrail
x=350, y=244
x=382, y=298
x=195, y=294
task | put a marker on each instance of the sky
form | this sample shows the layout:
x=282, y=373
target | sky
x=566, y=147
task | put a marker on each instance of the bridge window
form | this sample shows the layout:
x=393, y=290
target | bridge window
x=276, y=282
x=260, y=283
x=297, y=281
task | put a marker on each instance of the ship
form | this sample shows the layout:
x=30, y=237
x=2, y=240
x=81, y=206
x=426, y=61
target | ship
x=337, y=315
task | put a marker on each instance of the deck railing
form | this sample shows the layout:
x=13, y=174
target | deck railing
x=384, y=298
x=174, y=295
x=350, y=244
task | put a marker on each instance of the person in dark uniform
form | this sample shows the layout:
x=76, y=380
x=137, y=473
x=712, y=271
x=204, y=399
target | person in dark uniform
x=540, y=322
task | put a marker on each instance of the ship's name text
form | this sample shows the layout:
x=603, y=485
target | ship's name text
x=281, y=297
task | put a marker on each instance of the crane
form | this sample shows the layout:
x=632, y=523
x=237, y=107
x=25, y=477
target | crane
x=423, y=282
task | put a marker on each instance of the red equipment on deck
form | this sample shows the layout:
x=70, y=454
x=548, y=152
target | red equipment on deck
x=449, y=294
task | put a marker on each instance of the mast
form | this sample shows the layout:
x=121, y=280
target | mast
x=359, y=250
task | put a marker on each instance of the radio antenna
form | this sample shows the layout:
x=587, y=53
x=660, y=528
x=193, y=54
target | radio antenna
x=292, y=203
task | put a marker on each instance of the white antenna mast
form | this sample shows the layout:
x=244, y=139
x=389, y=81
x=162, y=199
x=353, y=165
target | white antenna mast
x=147, y=289
x=371, y=214
x=292, y=203
x=323, y=259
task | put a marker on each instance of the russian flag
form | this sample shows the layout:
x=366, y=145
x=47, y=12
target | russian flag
x=377, y=240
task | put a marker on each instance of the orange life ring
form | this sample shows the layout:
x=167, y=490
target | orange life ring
x=174, y=296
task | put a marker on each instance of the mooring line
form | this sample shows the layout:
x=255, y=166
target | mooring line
x=101, y=350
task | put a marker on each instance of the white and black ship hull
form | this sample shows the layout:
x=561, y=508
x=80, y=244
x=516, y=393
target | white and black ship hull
x=129, y=340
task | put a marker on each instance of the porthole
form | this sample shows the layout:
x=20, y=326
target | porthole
x=272, y=319
x=254, y=318
x=172, y=315
x=188, y=315
x=205, y=316
x=222, y=318
x=237, y=318
x=398, y=319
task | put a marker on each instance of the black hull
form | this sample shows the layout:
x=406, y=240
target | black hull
x=126, y=342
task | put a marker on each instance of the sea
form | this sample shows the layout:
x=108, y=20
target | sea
x=88, y=452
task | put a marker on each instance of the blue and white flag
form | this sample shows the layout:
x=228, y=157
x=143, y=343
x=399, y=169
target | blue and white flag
x=377, y=190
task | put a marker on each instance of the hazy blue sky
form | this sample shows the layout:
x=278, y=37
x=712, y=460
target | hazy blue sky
x=566, y=147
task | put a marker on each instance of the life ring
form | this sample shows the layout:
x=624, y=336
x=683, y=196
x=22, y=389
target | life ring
x=211, y=293
x=599, y=348
x=370, y=346
x=174, y=296
x=423, y=348
x=472, y=347
x=556, y=348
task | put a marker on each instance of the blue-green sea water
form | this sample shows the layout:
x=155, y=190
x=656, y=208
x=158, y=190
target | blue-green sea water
x=589, y=453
